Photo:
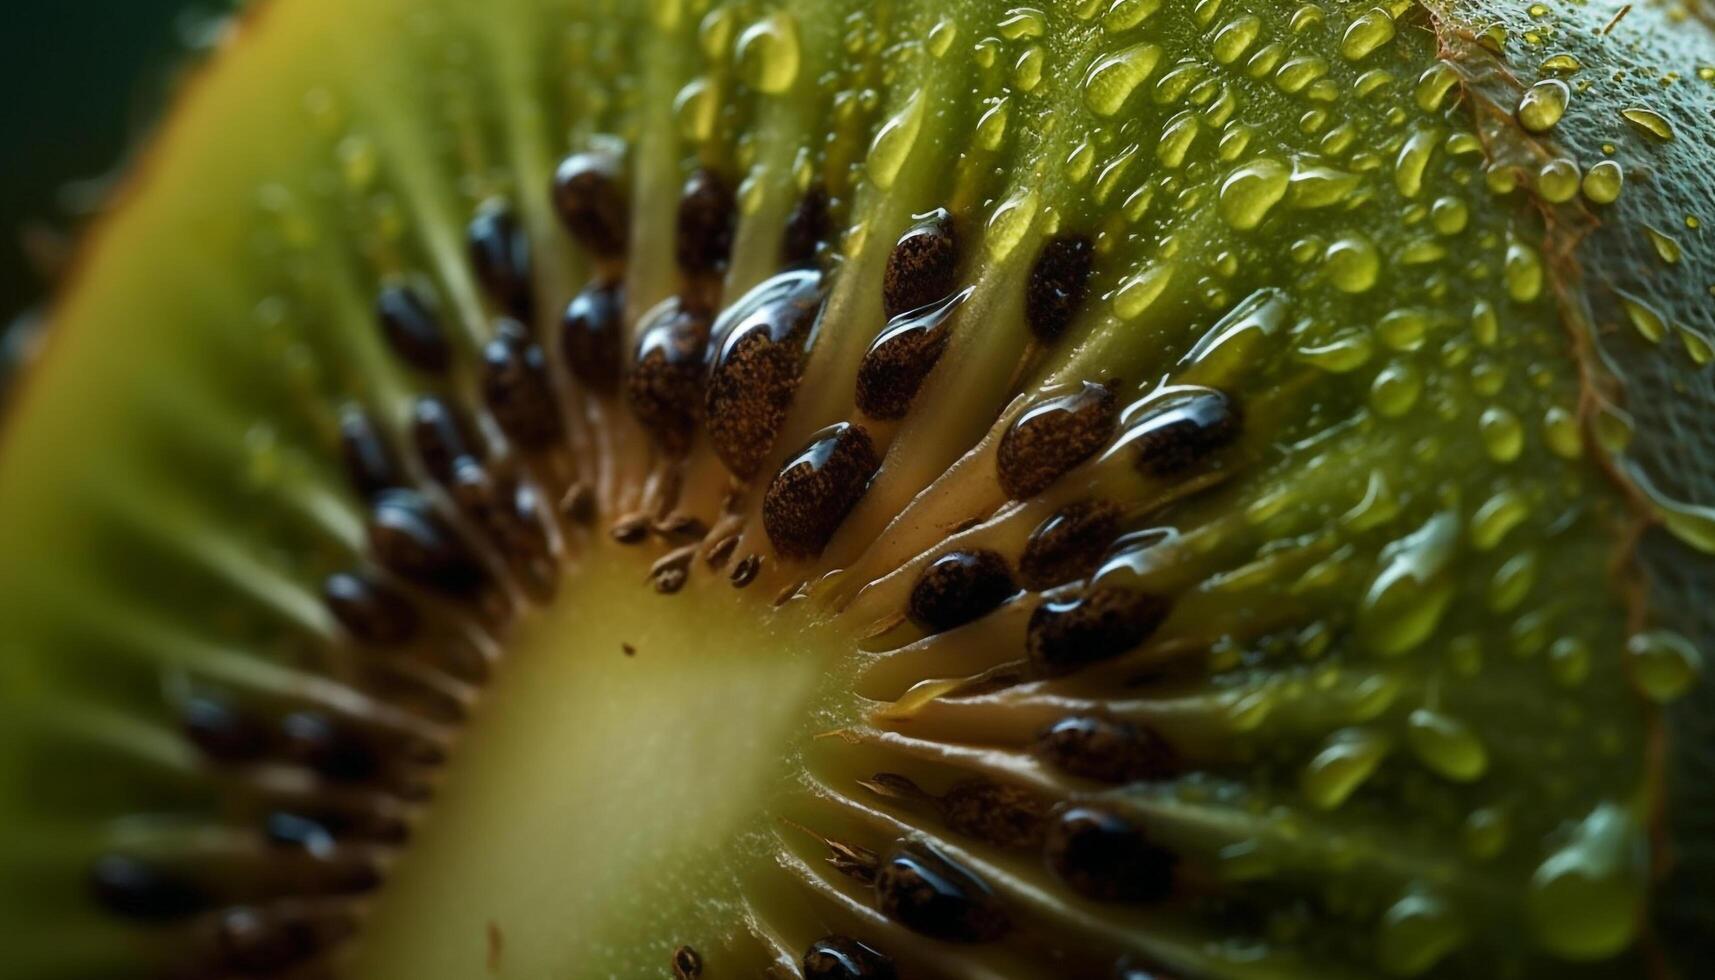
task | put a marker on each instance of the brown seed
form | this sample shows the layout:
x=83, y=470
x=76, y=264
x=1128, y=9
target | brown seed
x=1052, y=438
x=134, y=889
x=1180, y=429
x=443, y=436
x=592, y=337
x=224, y=733
x=590, y=198
x=1104, y=856
x=254, y=942
x=958, y=588
x=665, y=389
x=925, y=890
x=902, y=356
x=516, y=388
x=812, y=494
x=758, y=348
x=746, y=570
x=1066, y=635
x=707, y=213
x=411, y=540
x=1105, y=750
x=499, y=250
x=370, y=463
x=1068, y=546
x=844, y=958
x=687, y=964
x=996, y=813
x=923, y=266
x=412, y=328
x=370, y=611
x=330, y=748
x=1059, y=281
x=807, y=228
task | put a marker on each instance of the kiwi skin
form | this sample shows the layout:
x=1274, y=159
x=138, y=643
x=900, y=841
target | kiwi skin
x=1208, y=412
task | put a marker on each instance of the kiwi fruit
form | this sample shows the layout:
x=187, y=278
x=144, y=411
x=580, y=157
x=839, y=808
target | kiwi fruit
x=566, y=489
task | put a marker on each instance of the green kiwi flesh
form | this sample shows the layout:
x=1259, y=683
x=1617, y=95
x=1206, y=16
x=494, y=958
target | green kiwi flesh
x=910, y=488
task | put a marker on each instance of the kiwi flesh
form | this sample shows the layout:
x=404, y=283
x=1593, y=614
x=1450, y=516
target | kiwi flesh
x=836, y=489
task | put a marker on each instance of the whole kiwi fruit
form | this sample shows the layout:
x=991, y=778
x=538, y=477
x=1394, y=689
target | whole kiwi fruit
x=567, y=489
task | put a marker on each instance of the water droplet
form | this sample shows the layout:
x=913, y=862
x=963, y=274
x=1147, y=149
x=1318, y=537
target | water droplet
x=1523, y=272
x=1396, y=390
x=1249, y=192
x=1602, y=182
x=1022, y=22
x=1497, y=516
x=1569, y=661
x=1584, y=900
x=1650, y=121
x=991, y=128
x=696, y=108
x=1348, y=758
x=1561, y=64
x=1027, y=72
x=1234, y=39
x=1176, y=139
x=1368, y=31
x=1542, y=105
x=1503, y=435
x=1352, y=264
x=1111, y=80
x=1413, y=159
x=941, y=37
x=894, y=142
x=1557, y=181
x=1560, y=432
x=1648, y=323
x=1009, y=223
x=1347, y=350
x=1434, y=84
x=1141, y=290
x=1411, y=590
x=1316, y=186
x=1127, y=14
x=1417, y=932
x=1449, y=215
x=1666, y=248
x=1664, y=665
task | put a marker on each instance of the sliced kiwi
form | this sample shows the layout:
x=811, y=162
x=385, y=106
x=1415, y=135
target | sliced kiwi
x=563, y=489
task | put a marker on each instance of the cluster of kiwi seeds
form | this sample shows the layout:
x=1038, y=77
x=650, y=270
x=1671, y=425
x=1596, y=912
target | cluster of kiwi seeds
x=1161, y=418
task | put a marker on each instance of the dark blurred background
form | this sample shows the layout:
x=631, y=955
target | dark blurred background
x=84, y=81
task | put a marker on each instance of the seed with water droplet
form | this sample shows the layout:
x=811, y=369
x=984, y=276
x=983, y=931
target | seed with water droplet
x=412, y=541
x=923, y=266
x=443, y=436
x=1104, y=856
x=1066, y=635
x=373, y=613
x=899, y=360
x=1049, y=440
x=590, y=198
x=254, y=942
x=499, y=251
x=370, y=463
x=758, y=347
x=704, y=230
x=1543, y=104
x=958, y=588
x=412, y=328
x=844, y=958
x=333, y=750
x=592, y=337
x=1068, y=546
x=665, y=386
x=1105, y=750
x=222, y=732
x=136, y=890
x=1180, y=429
x=516, y=389
x=925, y=890
x=810, y=497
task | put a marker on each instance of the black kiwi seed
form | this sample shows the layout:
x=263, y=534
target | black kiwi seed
x=222, y=732
x=923, y=266
x=1105, y=750
x=1104, y=856
x=590, y=198
x=758, y=354
x=929, y=893
x=687, y=963
x=1069, y=546
x=415, y=543
x=958, y=588
x=707, y=212
x=665, y=388
x=1058, y=283
x=370, y=463
x=592, y=337
x=813, y=492
x=902, y=355
x=996, y=813
x=253, y=942
x=844, y=958
x=298, y=832
x=373, y=613
x=1049, y=440
x=443, y=436
x=499, y=249
x=807, y=228
x=137, y=890
x=412, y=328
x=1180, y=431
x=516, y=388
x=332, y=750
x=1065, y=635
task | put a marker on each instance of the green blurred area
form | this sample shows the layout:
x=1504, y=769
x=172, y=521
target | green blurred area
x=84, y=80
